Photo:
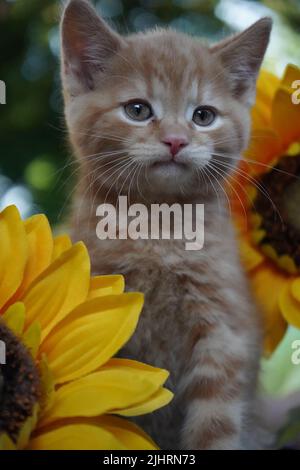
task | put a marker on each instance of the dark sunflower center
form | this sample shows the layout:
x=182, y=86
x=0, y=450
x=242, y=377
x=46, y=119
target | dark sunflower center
x=291, y=204
x=279, y=208
x=19, y=384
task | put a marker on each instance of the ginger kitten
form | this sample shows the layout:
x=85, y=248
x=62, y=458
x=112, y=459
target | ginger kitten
x=162, y=118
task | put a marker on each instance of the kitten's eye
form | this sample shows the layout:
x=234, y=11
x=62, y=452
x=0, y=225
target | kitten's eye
x=138, y=111
x=204, y=116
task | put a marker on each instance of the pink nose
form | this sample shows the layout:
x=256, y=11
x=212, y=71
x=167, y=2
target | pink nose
x=176, y=143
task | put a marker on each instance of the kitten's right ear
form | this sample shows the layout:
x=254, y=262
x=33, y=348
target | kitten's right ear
x=242, y=56
x=87, y=45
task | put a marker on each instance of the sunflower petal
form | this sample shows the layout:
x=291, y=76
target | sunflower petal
x=101, y=286
x=47, y=382
x=273, y=335
x=286, y=117
x=158, y=400
x=131, y=436
x=292, y=73
x=13, y=253
x=40, y=244
x=91, y=334
x=32, y=338
x=77, y=437
x=14, y=318
x=59, y=289
x=61, y=244
x=267, y=283
x=290, y=307
x=250, y=256
x=110, y=390
x=6, y=443
x=27, y=428
x=267, y=85
x=295, y=289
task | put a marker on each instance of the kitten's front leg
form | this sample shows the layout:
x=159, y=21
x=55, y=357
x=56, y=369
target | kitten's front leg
x=213, y=389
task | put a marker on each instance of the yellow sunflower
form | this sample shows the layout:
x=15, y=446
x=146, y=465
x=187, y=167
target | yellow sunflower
x=60, y=387
x=265, y=196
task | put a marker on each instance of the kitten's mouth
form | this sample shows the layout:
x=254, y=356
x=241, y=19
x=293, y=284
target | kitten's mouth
x=169, y=165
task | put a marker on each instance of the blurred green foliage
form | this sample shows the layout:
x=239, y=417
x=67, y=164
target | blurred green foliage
x=33, y=139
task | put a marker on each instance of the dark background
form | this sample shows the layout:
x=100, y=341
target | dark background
x=35, y=173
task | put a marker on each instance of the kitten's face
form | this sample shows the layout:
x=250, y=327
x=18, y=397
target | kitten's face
x=159, y=114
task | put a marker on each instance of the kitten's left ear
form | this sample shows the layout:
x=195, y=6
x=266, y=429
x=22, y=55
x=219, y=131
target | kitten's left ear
x=242, y=56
